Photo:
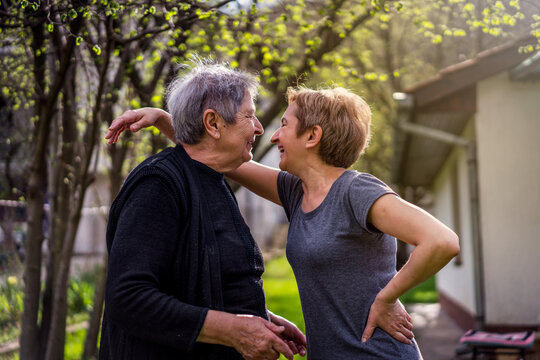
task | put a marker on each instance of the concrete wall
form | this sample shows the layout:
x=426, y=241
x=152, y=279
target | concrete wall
x=456, y=280
x=508, y=131
x=90, y=244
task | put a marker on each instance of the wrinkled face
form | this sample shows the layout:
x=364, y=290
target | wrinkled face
x=238, y=138
x=289, y=144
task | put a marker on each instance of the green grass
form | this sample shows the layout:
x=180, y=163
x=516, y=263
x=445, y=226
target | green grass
x=74, y=344
x=426, y=292
x=282, y=293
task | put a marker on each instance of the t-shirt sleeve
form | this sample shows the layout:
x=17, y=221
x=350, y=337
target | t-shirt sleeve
x=364, y=190
x=140, y=258
x=290, y=192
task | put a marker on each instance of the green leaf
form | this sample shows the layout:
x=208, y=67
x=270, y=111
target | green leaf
x=72, y=13
x=50, y=27
x=79, y=40
x=97, y=50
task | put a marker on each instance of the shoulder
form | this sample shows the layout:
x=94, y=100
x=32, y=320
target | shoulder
x=289, y=185
x=363, y=191
x=289, y=191
x=367, y=183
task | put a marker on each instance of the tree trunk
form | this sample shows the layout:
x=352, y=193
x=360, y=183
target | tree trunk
x=52, y=255
x=45, y=104
x=57, y=334
x=29, y=339
x=90, y=344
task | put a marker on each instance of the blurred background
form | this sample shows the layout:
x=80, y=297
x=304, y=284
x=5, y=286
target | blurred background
x=454, y=87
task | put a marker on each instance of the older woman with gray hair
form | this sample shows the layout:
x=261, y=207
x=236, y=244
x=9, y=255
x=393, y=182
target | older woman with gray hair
x=184, y=273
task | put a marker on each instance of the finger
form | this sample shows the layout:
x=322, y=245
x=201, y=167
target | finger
x=402, y=338
x=409, y=318
x=293, y=347
x=368, y=332
x=301, y=350
x=281, y=347
x=276, y=329
x=123, y=119
x=298, y=336
x=408, y=333
x=119, y=132
x=408, y=325
x=109, y=133
x=113, y=137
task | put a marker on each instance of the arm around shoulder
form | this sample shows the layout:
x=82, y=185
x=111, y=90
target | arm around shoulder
x=258, y=178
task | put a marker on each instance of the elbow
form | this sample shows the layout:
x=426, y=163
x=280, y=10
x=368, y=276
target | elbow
x=450, y=243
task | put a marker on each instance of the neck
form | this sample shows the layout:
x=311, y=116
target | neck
x=204, y=152
x=317, y=177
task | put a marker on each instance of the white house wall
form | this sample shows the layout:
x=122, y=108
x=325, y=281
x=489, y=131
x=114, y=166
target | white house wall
x=455, y=280
x=508, y=131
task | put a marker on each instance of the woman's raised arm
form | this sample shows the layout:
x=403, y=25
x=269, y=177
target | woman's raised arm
x=134, y=120
x=260, y=179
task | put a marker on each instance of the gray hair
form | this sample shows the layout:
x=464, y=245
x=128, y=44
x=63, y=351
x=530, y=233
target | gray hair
x=206, y=85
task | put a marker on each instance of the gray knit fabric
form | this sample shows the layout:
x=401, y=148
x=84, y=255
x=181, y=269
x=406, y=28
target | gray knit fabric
x=340, y=263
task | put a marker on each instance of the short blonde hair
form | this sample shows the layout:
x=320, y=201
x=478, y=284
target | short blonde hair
x=344, y=117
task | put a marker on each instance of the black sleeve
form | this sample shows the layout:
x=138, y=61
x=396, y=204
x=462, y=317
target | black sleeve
x=140, y=260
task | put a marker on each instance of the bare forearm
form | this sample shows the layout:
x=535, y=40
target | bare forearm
x=164, y=124
x=258, y=178
x=217, y=328
x=425, y=261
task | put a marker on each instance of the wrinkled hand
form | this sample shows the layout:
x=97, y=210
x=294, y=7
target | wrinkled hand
x=134, y=120
x=291, y=335
x=392, y=318
x=259, y=339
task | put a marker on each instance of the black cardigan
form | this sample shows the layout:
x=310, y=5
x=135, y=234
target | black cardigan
x=158, y=314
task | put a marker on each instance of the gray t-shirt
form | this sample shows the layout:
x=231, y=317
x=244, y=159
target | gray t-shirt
x=341, y=262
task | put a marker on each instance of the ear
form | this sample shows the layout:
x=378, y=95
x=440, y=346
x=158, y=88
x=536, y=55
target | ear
x=211, y=121
x=313, y=136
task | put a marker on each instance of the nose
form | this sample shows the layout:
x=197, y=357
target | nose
x=259, y=130
x=275, y=137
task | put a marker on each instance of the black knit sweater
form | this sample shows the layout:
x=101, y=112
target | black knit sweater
x=163, y=273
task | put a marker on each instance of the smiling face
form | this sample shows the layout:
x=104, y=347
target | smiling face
x=238, y=137
x=289, y=144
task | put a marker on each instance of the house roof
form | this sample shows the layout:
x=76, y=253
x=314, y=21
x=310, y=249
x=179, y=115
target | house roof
x=446, y=102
